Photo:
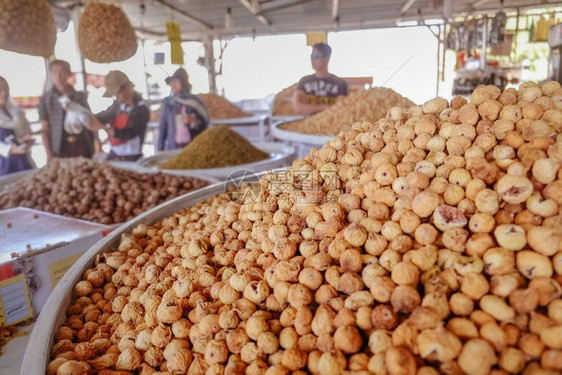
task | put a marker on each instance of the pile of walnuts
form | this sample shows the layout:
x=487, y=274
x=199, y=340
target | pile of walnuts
x=92, y=191
x=428, y=242
x=105, y=34
x=27, y=26
x=360, y=105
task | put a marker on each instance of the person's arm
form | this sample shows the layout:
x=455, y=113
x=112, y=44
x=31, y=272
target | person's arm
x=15, y=150
x=201, y=115
x=100, y=121
x=82, y=99
x=108, y=114
x=45, y=129
x=301, y=107
x=88, y=119
x=25, y=129
x=162, y=128
x=136, y=125
x=11, y=148
x=95, y=124
x=45, y=137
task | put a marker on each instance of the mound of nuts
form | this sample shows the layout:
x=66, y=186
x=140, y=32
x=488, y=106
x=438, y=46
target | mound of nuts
x=282, y=104
x=221, y=108
x=426, y=243
x=105, y=34
x=360, y=105
x=28, y=27
x=92, y=191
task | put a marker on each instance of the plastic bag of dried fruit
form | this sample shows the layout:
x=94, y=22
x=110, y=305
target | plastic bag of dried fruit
x=27, y=26
x=105, y=34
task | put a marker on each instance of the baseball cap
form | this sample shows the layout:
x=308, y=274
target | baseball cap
x=114, y=81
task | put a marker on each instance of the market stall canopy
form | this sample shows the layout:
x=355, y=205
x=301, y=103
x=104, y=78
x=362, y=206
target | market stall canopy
x=225, y=18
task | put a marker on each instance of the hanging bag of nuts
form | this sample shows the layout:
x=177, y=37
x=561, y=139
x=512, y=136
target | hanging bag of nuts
x=27, y=26
x=105, y=34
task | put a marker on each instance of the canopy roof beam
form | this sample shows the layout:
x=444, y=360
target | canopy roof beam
x=335, y=10
x=255, y=8
x=184, y=15
x=407, y=6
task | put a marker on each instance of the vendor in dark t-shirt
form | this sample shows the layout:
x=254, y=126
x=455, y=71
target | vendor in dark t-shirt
x=320, y=90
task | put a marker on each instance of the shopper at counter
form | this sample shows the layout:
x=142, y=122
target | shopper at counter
x=125, y=120
x=320, y=90
x=57, y=138
x=15, y=134
x=183, y=116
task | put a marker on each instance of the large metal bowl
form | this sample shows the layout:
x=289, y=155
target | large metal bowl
x=295, y=137
x=281, y=155
x=53, y=314
x=300, y=141
x=10, y=181
x=136, y=167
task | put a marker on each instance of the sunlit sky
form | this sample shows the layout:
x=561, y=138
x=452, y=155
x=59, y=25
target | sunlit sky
x=404, y=59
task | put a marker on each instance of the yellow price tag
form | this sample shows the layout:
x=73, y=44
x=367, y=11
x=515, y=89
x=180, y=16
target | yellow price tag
x=58, y=269
x=176, y=53
x=315, y=38
x=174, y=35
x=173, y=31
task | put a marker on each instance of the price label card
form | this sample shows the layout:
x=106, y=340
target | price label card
x=313, y=38
x=173, y=29
x=58, y=269
x=15, y=305
x=174, y=35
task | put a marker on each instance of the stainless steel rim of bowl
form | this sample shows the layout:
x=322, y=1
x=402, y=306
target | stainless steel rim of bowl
x=285, y=154
x=286, y=135
x=53, y=314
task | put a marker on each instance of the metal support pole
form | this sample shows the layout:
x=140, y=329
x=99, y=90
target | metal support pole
x=443, y=54
x=143, y=41
x=210, y=63
x=48, y=82
x=484, y=44
x=515, y=34
x=81, y=81
x=438, y=61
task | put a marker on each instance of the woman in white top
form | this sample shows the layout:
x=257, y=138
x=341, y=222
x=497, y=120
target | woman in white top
x=15, y=134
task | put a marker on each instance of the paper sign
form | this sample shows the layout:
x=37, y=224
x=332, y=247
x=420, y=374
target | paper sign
x=315, y=38
x=173, y=31
x=15, y=305
x=58, y=269
x=176, y=53
x=174, y=35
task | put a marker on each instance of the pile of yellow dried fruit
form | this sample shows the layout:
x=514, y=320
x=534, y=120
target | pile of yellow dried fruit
x=221, y=108
x=428, y=242
x=283, y=102
x=360, y=105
